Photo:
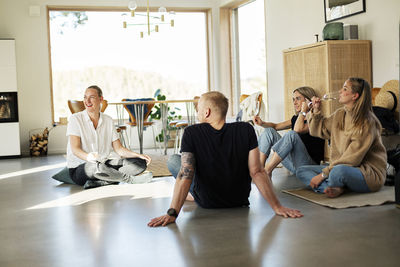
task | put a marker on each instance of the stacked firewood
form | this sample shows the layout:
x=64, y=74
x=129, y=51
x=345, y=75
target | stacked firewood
x=38, y=143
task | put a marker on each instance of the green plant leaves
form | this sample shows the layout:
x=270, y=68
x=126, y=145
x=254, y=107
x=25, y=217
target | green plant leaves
x=156, y=115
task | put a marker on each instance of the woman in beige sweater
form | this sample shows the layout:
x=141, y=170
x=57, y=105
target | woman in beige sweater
x=357, y=155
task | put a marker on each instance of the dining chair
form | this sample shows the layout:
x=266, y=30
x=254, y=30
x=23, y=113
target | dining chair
x=182, y=124
x=146, y=113
x=78, y=106
x=255, y=111
x=259, y=100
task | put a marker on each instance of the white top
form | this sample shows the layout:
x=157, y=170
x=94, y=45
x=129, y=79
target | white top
x=92, y=140
x=251, y=107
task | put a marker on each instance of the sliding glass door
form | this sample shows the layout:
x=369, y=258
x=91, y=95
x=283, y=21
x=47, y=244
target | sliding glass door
x=249, y=64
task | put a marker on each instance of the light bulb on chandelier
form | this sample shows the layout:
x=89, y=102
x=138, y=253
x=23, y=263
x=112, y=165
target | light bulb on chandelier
x=152, y=21
x=132, y=7
x=162, y=10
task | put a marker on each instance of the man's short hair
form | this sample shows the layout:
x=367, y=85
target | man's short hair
x=218, y=101
x=95, y=87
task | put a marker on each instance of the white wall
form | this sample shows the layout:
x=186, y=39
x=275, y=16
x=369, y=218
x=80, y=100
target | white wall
x=32, y=54
x=291, y=23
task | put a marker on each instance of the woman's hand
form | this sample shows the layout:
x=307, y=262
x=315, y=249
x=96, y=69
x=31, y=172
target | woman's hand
x=92, y=157
x=146, y=158
x=257, y=120
x=304, y=106
x=316, y=181
x=316, y=103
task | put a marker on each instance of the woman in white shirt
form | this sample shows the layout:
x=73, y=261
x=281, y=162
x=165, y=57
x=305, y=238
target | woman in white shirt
x=91, y=138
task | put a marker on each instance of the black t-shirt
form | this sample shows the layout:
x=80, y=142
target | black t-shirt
x=222, y=178
x=315, y=146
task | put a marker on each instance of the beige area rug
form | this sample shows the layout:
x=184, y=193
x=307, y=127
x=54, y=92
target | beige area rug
x=348, y=199
x=158, y=165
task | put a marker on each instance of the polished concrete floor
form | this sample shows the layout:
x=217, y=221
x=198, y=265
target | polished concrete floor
x=45, y=223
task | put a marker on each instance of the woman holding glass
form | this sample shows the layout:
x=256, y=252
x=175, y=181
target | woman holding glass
x=296, y=148
x=357, y=155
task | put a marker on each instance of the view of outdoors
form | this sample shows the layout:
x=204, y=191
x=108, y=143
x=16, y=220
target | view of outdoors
x=90, y=48
x=252, y=47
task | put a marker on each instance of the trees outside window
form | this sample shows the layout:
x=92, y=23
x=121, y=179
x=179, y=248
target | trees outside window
x=92, y=47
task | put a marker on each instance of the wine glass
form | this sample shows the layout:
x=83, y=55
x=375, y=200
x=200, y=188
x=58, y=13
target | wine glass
x=94, y=150
x=331, y=96
x=328, y=96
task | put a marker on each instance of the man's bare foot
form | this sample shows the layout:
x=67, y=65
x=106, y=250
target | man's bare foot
x=189, y=197
x=333, y=191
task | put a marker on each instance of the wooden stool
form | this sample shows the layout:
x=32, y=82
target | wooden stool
x=181, y=125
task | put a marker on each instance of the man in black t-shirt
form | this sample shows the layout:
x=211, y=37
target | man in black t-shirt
x=224, y=159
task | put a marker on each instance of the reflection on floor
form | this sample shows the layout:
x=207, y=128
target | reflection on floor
x=45, y=223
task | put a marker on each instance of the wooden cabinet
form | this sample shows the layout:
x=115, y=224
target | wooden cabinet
x=325, y=66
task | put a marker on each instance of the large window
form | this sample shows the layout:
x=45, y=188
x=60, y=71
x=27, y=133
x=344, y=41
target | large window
x=249, y=46
x=91, y=47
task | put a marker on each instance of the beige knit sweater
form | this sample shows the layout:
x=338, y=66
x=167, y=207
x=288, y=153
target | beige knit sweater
x=363, y=150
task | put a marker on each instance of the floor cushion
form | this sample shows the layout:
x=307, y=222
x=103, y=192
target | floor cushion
x=63, y=176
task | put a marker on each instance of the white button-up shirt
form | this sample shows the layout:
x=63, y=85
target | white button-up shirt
x=92, y=140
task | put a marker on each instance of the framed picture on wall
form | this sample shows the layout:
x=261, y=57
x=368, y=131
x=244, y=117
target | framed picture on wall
x=338, y=9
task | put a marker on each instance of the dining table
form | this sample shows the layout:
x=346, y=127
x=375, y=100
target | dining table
x=139, y=107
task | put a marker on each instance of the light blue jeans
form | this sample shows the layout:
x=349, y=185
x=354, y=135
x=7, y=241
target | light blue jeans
x=290, y=148
x=174, y=165
x=339, y=176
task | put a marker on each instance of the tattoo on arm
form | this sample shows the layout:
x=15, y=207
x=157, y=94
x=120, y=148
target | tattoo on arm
x=187, y=166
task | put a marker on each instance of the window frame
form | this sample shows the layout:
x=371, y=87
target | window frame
x=49, y=8
x=235, y=57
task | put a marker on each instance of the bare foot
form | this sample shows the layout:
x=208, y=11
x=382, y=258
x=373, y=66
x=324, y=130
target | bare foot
x=189, y=197
x=334, y=191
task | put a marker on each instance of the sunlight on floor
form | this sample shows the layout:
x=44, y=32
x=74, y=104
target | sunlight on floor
x=33, y=170
x=158, y=189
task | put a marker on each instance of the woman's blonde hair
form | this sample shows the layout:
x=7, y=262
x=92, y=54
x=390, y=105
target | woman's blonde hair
x=306, y=91
x=362, y=109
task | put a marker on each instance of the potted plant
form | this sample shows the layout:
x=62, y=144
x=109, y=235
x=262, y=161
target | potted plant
x=156, y=115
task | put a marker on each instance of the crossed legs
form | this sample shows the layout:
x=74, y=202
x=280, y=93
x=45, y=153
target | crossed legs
x=267, y=139
x=289, y=149
x=340, y=177
x=112, y=171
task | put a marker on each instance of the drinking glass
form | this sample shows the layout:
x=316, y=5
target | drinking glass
x=94, y=150
x=328, y=96
x=331, y=96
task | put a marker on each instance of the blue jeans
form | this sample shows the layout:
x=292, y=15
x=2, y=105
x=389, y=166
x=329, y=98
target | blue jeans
x=339, y=176
x=174, y=166
x=289, y=148
x=267, y=139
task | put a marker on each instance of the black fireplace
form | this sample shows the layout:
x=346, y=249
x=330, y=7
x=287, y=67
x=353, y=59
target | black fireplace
x=8, y=107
